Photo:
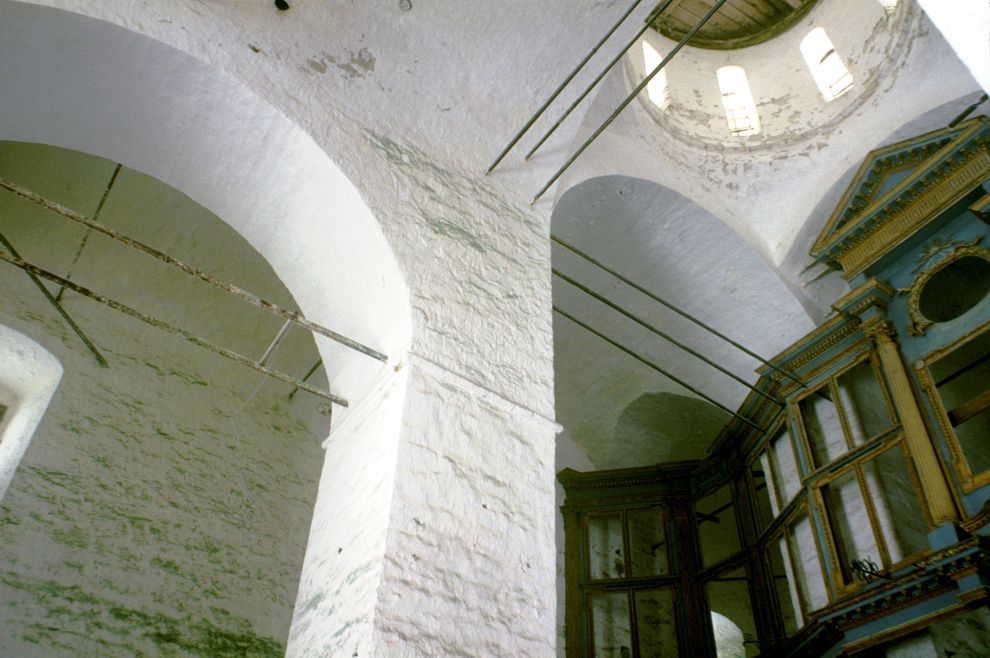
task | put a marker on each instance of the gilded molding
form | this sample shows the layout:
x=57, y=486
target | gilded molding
x=908, y=214
x=876, y=167
x=938, y=497
x=978, y=520
x=970, y=481
x=919, y=323
x=820, y=348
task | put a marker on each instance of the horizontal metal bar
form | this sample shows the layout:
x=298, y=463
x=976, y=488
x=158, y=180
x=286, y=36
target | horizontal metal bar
x=633, y=94
x=294, y=316
x=684, y=314
x=594, y=83
x=100, y=359
x=643, y=323
x=663, y=372
x=567, y=81
x=164, y=326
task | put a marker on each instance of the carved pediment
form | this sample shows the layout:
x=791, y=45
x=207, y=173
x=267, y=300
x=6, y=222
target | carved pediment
x=900, y=188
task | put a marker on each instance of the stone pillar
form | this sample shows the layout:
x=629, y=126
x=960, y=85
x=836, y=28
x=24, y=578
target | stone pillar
x=936, y=490
x=433, y=532
x=334, y=614
x=469, y=567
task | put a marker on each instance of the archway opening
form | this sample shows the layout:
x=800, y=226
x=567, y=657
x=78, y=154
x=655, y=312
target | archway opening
x=165, y=501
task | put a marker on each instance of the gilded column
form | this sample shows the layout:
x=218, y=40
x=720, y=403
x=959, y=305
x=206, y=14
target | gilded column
x=916, y=436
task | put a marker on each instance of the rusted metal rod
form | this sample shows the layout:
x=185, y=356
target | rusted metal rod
x=294, y=316
x=659, y=332
x=594, y=83
x=684, y=314
x=567, y=81
x=969, y=110
x=89, y=231
x=309, y=373
x=100, y=359
x=275, y=342
x=663, y=372
x=635, y=92
x=164, y=326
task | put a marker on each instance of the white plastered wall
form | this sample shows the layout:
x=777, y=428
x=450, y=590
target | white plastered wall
x=965, y=24
x=29, y=375
x=475, y=442
x=91, y=86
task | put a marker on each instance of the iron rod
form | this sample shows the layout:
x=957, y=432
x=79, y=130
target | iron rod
x=89, y=231
x=294, y=316
x=306, y=377
x=684, y=314
x=100, y=359
x=567, y=81
x=664, y=335
x=164, y=326
x=630, y=97
x=275, y=342
x=663, y=372
x=969, y=110
x=594, y=83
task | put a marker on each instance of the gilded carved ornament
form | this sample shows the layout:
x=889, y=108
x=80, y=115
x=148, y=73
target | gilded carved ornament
x=931, y=262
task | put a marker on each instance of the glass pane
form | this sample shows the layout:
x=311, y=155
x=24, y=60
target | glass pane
x=972, y=436
x=801, y=538
x=611, y=627
x=787, y=480
x=895, y=499
x=656, y=623
x=766, y=506
x=647, y=542
x=821, y=424
x=732, y=615
x=717, y=530
x=606, y=554
x=851, y=529
x=955, y=288
x=862, y=399
x=962, y=378
x=785, y=586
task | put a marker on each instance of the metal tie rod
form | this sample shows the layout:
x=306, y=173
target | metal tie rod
x=164, y=326
x=594, y=83
x=553, y=96
x=664, y=335
x=100, y=359
x=309, y=373
x=629, y=98
x=293, y=316
x=684, y=314
x=663, y=372
x=275, y=342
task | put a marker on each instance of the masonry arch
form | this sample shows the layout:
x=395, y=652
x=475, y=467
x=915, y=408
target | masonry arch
x=84, y=84
x=678, y=250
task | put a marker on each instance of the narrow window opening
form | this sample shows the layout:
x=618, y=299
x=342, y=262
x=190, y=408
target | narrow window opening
x=657, y=88
x=740, y=109
x=831, y=75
